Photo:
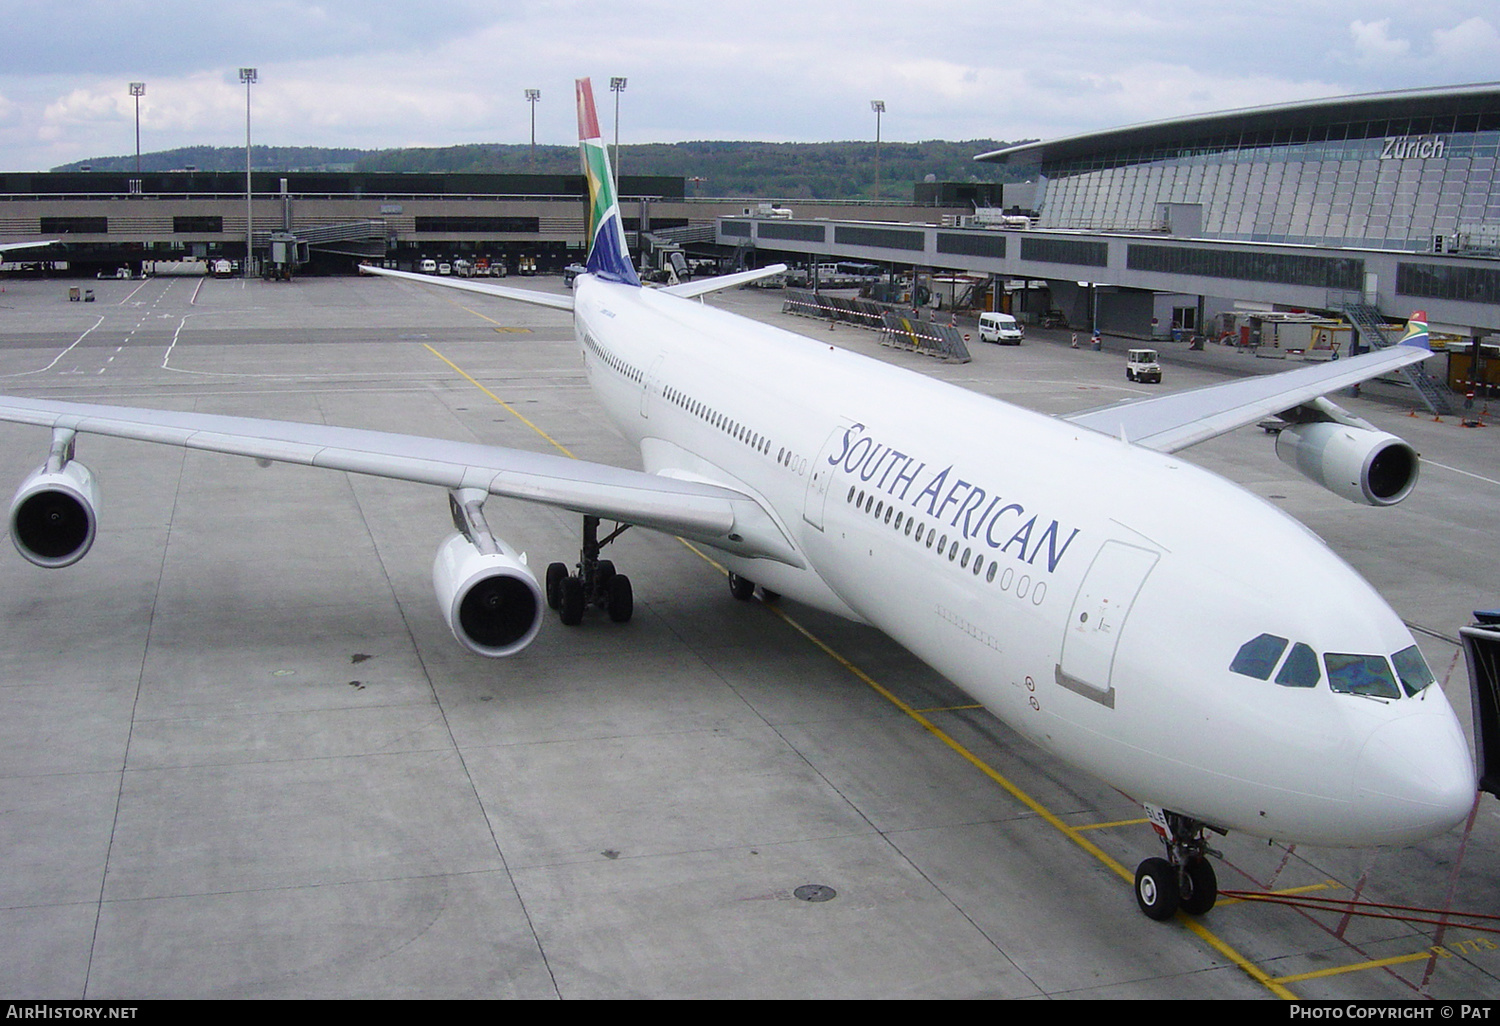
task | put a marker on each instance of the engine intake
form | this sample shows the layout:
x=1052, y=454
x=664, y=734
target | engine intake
x=53, y=517
x=1372, y=467
x=490, y=601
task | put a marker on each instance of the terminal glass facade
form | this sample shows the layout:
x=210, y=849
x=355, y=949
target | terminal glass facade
x=1383, y=184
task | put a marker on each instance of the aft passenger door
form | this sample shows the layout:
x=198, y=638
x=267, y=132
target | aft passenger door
x=652, y=385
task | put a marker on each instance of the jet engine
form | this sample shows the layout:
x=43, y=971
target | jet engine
x=1360, y=464
x=490, y=600
x=52, y=517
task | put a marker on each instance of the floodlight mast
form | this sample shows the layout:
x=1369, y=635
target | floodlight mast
x=248, y=76
x=532, y=96
x=137, y=89
x=617, y=86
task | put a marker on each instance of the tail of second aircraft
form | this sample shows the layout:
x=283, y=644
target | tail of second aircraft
x=608, y=256
x=1416, y=331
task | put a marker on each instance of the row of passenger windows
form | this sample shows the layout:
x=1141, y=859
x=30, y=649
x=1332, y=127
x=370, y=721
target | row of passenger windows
x=1348, y=673
x=953, y=548
x=754, y=439
x=618, y=365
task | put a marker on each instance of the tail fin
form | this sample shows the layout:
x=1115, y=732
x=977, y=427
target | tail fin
x=1416, y=331
x=608, y=257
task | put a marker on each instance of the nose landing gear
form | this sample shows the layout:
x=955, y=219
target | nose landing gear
x=596, y=584
x=1183, y=880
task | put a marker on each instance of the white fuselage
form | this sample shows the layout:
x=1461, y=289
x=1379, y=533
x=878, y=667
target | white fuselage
x=1083, y=589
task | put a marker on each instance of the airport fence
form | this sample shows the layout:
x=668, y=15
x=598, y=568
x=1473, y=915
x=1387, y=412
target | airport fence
x=899, y=326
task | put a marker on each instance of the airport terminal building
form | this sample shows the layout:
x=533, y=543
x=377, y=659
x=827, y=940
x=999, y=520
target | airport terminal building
x=1384, y=202
x=328, y=221
x=1410, y=170
x=1361, y=208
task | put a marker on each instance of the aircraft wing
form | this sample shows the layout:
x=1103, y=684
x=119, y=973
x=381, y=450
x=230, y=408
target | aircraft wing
x=531, y=296
x=1179, y=419
x=715, y=515
x=4, y=246
x=702, y=286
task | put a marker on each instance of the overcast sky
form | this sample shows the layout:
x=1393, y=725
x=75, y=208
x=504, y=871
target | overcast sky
x=372, y=73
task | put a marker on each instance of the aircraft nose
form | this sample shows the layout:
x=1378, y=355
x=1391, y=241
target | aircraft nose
x=1415, y=778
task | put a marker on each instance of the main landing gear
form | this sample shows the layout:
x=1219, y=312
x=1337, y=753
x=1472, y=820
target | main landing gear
x=595, y=583
x=1185, y=878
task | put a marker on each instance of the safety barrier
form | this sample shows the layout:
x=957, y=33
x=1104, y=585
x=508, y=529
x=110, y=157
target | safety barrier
x=928, y=337
x=898, y=325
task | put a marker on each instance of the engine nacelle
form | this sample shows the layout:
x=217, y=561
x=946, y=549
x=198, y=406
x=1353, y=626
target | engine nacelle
x=490, y=601
x=1361, y=465
x=53, y=517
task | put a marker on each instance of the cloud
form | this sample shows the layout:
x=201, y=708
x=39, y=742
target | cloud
x=1372, y=40
x=1472, y=42
x=380, y=73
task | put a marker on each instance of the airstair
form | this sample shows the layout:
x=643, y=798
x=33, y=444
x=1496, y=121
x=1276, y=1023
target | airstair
x=1368, y=322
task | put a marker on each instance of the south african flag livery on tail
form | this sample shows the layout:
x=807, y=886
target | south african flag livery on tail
x=608, y=257
x=1416, y=331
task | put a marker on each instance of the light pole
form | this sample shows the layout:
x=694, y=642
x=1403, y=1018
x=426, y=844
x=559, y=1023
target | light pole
x=617, y=86
x=878, y=106
x=247, y=76
x=533, y=95
x=137, y=89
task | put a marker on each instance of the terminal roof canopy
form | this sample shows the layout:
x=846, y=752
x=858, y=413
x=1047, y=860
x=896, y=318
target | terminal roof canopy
x=1475, y=101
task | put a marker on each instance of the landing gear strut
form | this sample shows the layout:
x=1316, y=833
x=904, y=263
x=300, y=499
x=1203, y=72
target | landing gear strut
x=595, y=583
x=1185, y=878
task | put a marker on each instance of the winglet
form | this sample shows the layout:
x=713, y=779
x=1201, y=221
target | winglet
x=608, y=257
x=1416, y=331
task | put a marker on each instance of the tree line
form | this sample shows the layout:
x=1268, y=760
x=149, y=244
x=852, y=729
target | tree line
x=831, y=170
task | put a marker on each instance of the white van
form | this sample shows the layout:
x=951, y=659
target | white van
x=428, y=267
x=1001, y=328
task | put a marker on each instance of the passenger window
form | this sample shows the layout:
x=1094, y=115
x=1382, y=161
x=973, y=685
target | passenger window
x=1301, y=668
x=1257, y=657
x=1361, y=675
x=1412, y=669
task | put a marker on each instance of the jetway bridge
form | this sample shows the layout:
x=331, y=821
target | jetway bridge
x=1460, y=294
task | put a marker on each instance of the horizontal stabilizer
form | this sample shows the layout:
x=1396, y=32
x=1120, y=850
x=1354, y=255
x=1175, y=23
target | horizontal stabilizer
x=483, y=288
x=703, y=286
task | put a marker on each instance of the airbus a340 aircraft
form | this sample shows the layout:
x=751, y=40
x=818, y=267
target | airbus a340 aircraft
x=1070, y=573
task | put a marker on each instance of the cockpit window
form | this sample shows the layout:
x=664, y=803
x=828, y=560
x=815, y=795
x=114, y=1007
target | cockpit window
x=1361, y=675
x=1412, y=669
x=1257, y=657
x=1300, y=669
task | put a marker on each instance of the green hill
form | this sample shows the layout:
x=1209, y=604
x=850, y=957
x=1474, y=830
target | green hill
x=835, y=170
